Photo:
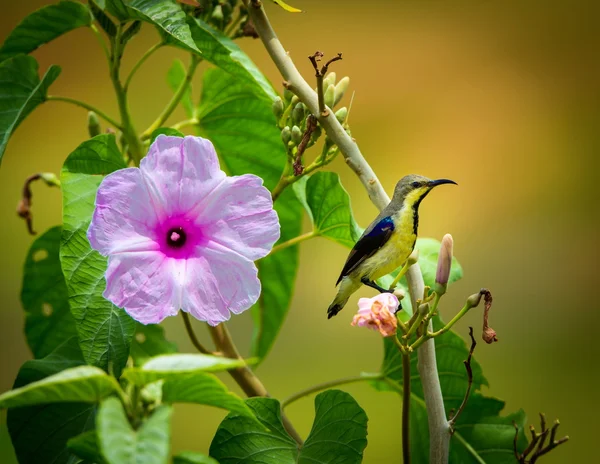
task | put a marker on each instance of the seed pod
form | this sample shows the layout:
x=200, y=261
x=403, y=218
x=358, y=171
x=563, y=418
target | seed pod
x=341, y=114
x=329, y=80
x=296, y=135
x=277, y=107
x=298, y=113
x=94, y=128
x=330, y=96
x=286, y=135
x=340, y=89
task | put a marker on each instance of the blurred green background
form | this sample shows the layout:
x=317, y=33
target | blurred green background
x=501, y=96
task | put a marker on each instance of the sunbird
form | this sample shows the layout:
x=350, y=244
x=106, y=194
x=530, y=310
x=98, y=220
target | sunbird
x=388, y=241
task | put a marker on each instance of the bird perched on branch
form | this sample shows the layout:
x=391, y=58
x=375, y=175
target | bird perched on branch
x=388, y=241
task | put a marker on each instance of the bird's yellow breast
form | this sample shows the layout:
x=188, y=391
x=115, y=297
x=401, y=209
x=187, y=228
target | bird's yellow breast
x=397, y=249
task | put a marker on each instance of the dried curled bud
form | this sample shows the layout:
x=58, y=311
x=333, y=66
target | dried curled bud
x=489, y=335
x=378, y=313
x=444, y=265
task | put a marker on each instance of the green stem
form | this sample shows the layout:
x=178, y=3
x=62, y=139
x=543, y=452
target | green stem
x=141, y=61
x=188, y=122
x=136, y=148
x=453, y=321
x=406, y=408
x=195, y=61
x=415, y=325
x=325, y=385
x=101, y=40
x=400, y=274
x=293, y=241
x=88, y=107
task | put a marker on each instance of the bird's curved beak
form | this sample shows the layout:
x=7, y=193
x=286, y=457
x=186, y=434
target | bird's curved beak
x=435, y=183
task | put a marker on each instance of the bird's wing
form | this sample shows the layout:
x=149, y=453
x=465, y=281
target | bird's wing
x=372, y=240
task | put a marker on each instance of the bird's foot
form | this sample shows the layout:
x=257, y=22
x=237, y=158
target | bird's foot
x=370, y=283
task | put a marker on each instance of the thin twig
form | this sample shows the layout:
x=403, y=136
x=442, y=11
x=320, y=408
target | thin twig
x=469, y=369
x=319, y=74
x=311, y=126
x=192, y=335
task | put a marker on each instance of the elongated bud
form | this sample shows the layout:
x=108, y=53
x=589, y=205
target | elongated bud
x=330, y=96
x=50, y=179
x=341, y=114
x=286, y=135
x=296, y=135
x=277, y=107
x=444, y=265
x=329, y=80
x=413, y=258
x=340, y=89
x=287, y=95
x=298, y=113
x=94, y=128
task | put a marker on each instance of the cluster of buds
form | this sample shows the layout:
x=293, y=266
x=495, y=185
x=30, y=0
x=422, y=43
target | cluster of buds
x=299, y=128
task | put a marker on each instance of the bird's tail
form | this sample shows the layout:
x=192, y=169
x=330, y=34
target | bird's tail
x=347, y=287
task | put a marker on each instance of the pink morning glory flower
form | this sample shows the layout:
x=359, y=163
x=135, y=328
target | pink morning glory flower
x=180, y=234
x=378, y=313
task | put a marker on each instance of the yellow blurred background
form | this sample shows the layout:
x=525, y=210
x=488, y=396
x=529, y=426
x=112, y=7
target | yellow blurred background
x=501, y=96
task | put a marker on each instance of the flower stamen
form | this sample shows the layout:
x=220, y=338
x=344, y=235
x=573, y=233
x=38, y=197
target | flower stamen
x=176, y=237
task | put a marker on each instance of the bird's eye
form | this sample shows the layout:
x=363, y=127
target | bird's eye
x=416, y=184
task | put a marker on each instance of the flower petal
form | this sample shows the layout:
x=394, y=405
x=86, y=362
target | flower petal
x=239, y=215
x=144, y=285
x=219, y=282
x=181, y=172
x=123, y=219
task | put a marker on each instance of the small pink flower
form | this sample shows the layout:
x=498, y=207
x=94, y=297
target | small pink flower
x=180, y=234
x=378, y=313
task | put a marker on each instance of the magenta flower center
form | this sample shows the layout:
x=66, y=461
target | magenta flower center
x=176, y=237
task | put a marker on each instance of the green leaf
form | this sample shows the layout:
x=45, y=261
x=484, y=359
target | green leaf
x=21, y=91
x=48, y=321
x=40, y=433
x=328, y=206
x=105, y=331
x=150, y=341
x=338, y=435
x=287, y=7
x=482, y=435
x=166, y=15
x=175, y=77
x=223, y=52
x=238, y=119
x=86, y=384
x=105, y=22
x=204, y=389
x=86, y=446
x=190, y=457
x=165, y=131
x=171, y=366
x=43, y=26
x=149, y=444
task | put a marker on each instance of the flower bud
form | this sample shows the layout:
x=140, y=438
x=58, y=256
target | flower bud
x=296, y=135
x=294, y=100
x=413, y=258
x=424, y=309
x=94, y=128
x=288, y=95
x=329, y=96
x=444, y=265
x=298, y=113
x=341, y=114
x=329, y=80
x=473, y=300
x=277, y=107
x=340, y=89
x=50, y=179
x=217, y=13
x=400, y=294
x=286, y=135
